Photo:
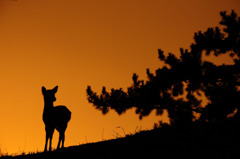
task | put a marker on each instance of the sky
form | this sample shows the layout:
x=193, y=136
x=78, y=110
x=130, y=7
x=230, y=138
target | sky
x=73, y=44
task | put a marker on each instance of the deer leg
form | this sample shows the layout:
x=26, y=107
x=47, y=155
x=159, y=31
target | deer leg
x=63, y=135
x=63, y=138
x=46, y=142
x=47, y=129
x=50, y=136
x=61, y=131
x=59, y=141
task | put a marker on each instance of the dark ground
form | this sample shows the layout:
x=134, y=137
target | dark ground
x=209, y=141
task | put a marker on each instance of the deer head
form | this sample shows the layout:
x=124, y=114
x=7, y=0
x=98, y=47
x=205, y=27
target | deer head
x=49, y=95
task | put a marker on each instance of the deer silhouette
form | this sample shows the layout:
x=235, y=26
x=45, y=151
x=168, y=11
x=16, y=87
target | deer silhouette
x=54, y=117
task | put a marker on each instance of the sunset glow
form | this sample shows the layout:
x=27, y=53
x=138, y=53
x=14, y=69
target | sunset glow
x=73, y=44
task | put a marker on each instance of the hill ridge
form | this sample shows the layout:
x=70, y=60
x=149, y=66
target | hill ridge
x=208, y=142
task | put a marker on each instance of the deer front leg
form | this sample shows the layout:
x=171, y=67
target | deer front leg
x=49, y=135
x=46, y=142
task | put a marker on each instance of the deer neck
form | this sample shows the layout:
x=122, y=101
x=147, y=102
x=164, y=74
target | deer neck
x=48, y=106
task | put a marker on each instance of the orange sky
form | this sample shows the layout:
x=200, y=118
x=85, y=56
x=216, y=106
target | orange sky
x=72, y=44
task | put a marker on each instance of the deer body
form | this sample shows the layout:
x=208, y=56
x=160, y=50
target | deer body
x=54, y=117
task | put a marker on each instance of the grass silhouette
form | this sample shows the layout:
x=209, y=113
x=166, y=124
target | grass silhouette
x=207, y=141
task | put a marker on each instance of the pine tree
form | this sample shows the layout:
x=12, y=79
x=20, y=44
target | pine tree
x=178, y=85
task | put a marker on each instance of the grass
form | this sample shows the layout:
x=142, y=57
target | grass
x=211, y=141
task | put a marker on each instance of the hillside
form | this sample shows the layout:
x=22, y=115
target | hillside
x=208, y=142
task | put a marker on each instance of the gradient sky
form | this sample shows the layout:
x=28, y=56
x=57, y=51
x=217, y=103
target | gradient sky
x=72, y=44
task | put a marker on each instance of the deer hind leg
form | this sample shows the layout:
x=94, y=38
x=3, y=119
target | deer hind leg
x=61, y=136
x=61, y=140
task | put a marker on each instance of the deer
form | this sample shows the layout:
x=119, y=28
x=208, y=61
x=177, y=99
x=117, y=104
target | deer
x=54, y=117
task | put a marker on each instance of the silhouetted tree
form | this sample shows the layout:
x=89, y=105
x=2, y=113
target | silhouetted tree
x=178, y=86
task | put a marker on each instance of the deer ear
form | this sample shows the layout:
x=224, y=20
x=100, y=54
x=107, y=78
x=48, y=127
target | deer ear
x=55, y=89
x=43, y=90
